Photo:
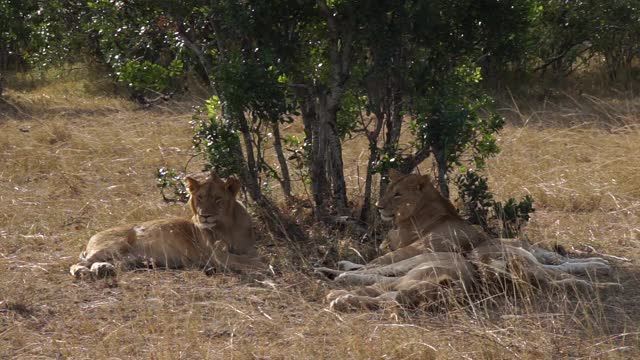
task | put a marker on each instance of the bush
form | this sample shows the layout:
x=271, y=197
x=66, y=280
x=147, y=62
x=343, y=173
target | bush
x=497, y=218
x=171, y=179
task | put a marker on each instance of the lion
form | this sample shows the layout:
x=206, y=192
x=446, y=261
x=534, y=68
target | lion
x=219, y=236
x=521, y=262
x=410, y=282
x=433, y=248
x=424, y=220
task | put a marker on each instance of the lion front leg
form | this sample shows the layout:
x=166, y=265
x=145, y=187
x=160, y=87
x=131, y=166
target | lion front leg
x=97, y=270
x=344, y=301
x=224, y=261
x=80, y=271
x=396, y=256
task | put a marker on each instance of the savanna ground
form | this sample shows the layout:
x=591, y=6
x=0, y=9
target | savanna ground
x=73, y=163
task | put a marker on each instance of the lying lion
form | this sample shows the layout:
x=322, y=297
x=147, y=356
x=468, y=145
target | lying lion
x=219, y=236
x=433, y=248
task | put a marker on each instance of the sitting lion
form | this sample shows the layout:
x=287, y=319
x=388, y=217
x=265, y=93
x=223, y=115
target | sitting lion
x=424, y=220
x=433, y=248
x=219, y=236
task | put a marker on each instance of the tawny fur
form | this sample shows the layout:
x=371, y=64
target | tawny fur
x=219, y=235
x=424, y=221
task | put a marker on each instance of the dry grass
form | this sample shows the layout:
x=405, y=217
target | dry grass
x=72, y=165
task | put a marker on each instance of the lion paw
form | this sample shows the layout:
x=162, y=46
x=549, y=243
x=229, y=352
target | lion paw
x=334, y=294
x=103, y=270
x=327, y=273
x=80, y=272
x=210, y=270
x=343, y=303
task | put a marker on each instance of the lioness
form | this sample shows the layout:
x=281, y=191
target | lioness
x=431, y=245
x=424, y=220
x=219, y=236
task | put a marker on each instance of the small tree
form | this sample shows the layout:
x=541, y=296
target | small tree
x=132, y=39
x=448, y=121
x=500, y=219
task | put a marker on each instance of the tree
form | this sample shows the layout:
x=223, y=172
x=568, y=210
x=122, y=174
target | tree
x=339, y=66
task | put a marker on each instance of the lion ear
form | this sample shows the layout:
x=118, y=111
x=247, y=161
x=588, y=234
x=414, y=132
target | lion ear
x=394, y=174
x=232, y=185
x=424, y=182
x=214, y=176
x=192, y=184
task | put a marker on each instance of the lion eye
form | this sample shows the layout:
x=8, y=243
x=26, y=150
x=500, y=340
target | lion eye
x=396, y=195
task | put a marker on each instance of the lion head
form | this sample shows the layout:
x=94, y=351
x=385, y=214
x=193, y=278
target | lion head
x=211, y=199
x=409, y=195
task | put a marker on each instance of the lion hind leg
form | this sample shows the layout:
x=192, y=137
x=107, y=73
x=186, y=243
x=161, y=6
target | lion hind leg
x=354, y=278
x=581, y=268
x=589, y=259
x=349, y=266
x=553, y=258
x=572, y=282
x=394, y=270
x=404, y=266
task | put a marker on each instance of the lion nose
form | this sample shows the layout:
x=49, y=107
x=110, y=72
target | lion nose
x=205, y=216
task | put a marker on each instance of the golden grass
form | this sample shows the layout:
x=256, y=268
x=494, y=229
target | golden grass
x=72, y=165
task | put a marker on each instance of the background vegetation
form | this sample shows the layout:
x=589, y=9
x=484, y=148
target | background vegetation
x=341, y=67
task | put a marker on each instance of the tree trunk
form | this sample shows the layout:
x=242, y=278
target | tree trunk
x=373, y=158
x=441, y=161
x=247, y=180
x=378, y=95
x=340, y=34
x=315, y=148
x=328, y=111
x=393, y=127
x=4, y=59
x=284, y=168
x=248, y=145
x=273, y=218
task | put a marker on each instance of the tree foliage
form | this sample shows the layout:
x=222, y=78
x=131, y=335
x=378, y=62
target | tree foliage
x=340, y=67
